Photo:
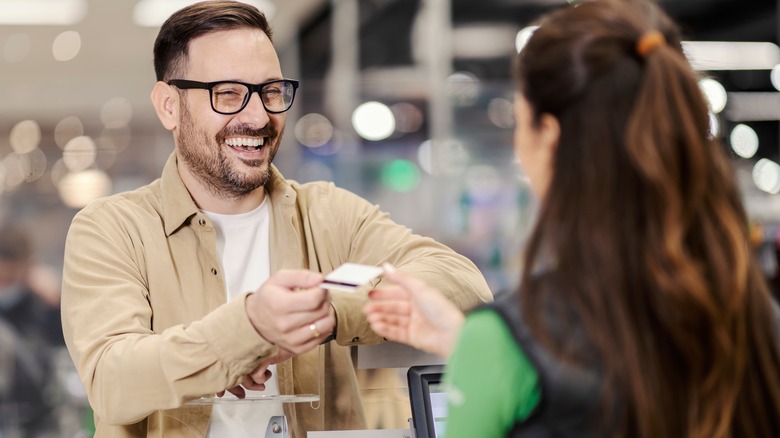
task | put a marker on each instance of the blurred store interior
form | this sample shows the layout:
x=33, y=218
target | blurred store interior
x=405, y=102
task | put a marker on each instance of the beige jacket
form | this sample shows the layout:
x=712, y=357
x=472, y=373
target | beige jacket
x=148, y=328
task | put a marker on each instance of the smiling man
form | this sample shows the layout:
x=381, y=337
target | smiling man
x=207, y=280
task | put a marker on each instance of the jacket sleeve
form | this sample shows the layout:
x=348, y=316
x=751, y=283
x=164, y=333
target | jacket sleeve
x=128, y=369
x=371, y=237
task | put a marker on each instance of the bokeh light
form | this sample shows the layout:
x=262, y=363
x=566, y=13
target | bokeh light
x=766, y=176
x=501, y=112
x=744, y=141
x=373, y=121
x=313, y=130
x=79, y=153
x=25, y=136
x=36, y=165
x=463, y=88
x=67, y=129
x=774, y=76
x=80, y=188
x=400, y=175
x=66, y=45
x=714, y=125
x=17, y=169
x=714, y=93
x=450, y=157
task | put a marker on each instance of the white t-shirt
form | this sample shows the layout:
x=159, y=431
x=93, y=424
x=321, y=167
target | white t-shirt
x=243, y=251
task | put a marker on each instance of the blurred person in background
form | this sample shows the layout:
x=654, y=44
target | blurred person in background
x=641, y=311
x=208, y=279
x=30, y=338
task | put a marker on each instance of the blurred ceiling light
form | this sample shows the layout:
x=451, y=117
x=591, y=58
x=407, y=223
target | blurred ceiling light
x=36, y=165
x=731, y=55
x=313, y=130
x=373, y=121
x=753, y=106
x=17, y=167
x=463, y=88
x=448, y=157
x=774, y=76
x=714, y=125
x=66, y=45
x=152, y=13
x=25, y=136
x=79, y=153
x=477, y=41
x=80, y=188
x=501, y=112
x=42, y=12
x=744, y=141
x=715, y=94
x=766, y=176
x=399, y=175
x=66, y=129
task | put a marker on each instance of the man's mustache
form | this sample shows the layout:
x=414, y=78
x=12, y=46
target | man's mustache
x=246, y=131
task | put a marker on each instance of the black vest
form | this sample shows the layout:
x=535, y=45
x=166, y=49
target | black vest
x=569, y=402
x=569, y=395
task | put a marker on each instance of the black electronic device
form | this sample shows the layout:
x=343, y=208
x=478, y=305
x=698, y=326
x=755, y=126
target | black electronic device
x=428, y=399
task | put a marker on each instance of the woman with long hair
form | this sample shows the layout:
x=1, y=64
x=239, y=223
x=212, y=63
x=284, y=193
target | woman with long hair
x=641, y=311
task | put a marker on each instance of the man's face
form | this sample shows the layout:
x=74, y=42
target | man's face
x=229, y=154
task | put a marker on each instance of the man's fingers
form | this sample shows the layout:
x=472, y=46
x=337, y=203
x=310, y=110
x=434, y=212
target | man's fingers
x=295, y=279
x=237, y=391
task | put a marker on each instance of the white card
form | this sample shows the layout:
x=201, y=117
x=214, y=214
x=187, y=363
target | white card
x=350, y=276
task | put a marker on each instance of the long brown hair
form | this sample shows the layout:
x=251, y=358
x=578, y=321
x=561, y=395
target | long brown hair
x=644, y=232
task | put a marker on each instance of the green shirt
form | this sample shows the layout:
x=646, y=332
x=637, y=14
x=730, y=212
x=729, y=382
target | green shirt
x=491, y=383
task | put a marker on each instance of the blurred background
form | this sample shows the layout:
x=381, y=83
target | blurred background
x=405, y=102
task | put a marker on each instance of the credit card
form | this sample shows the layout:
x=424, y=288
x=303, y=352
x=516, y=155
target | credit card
x=350, y=276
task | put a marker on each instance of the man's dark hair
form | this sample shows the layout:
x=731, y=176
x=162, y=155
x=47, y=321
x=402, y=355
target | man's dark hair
x=172, y=43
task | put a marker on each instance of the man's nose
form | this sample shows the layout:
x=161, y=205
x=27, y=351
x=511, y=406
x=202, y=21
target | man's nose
x=254, y=113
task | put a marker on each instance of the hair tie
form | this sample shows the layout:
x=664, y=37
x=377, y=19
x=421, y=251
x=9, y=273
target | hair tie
x=648, y=42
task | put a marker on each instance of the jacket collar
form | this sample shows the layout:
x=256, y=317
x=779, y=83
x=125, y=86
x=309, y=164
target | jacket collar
x=178, y=206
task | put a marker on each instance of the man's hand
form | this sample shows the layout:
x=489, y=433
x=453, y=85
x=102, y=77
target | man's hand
x=256, y=379
x=291, y=311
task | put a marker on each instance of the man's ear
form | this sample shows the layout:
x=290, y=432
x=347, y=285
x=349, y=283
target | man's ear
x=166, y=103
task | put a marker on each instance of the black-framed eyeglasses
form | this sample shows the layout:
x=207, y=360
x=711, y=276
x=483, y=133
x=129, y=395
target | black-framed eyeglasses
x=230, y=97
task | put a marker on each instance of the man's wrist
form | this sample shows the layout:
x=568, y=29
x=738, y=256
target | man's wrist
x=330, y=337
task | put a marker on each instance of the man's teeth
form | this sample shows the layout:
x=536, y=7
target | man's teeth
x=245, y=142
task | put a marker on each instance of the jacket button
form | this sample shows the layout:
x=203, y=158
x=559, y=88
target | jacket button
x=355, y=339
x=202, y=222
x=214, y=271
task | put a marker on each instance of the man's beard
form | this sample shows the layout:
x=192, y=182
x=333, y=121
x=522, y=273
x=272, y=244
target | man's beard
x=207, y=160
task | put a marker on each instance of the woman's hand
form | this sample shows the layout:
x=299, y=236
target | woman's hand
x=411, y=312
